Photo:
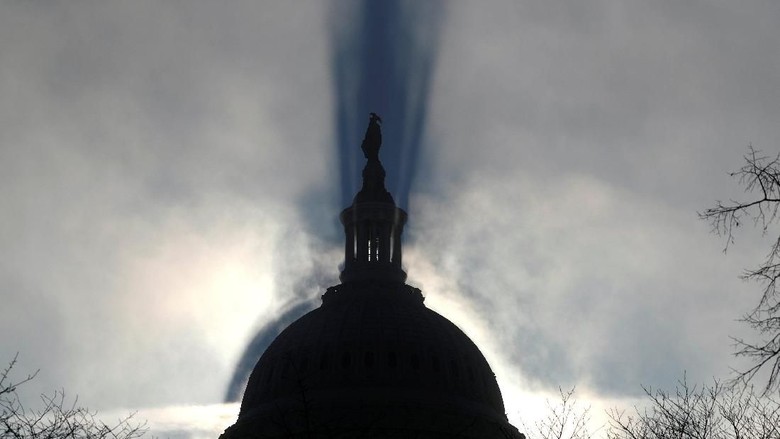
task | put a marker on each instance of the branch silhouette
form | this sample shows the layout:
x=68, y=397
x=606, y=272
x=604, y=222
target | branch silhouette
x=760, y=177
x=713, y=411
x=56, y=418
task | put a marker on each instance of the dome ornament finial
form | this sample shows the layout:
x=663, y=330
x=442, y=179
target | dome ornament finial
x=373, y=189
x=373, y=138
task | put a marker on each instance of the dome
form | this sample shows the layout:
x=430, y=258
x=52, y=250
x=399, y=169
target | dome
x=371, y=354
x=372, y=361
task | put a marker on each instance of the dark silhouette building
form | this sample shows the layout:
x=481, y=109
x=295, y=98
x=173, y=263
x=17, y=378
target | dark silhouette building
x=372, y=361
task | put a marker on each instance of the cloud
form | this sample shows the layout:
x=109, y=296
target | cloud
x=188, y=421
x=578, y=283
x=145, y=170
x=168, y=175
x=569, y=149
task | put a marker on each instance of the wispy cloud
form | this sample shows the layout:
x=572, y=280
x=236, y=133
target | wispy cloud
x=168, y=174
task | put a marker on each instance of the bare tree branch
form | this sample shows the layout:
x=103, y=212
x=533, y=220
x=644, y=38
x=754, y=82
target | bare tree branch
x=699, y=412
x=760, y=177
x=564, y=420
x=55, y=418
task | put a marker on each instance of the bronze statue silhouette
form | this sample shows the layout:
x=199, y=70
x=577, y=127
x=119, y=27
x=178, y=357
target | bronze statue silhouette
x=373, y=139
x=373, y=173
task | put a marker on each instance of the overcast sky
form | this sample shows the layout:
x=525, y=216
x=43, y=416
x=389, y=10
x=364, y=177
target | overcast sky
x=170, y=177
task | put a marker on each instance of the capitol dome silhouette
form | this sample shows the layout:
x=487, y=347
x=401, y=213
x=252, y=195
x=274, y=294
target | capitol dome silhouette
x=372, y=361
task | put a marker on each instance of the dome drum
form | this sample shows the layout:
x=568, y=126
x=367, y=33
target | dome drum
x=372, y=248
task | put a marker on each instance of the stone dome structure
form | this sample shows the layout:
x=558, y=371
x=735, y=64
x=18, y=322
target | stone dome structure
x=372, y=361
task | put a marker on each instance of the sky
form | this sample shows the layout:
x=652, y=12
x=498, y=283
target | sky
x=171, y=173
